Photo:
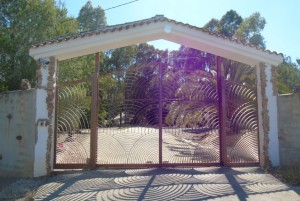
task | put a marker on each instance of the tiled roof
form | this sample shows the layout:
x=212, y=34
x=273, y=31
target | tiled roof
x=125, y=26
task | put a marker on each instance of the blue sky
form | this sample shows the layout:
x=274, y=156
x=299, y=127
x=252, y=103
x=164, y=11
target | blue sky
x=282, y=31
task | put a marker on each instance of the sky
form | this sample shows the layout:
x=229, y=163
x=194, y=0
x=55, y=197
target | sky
x=282, y=31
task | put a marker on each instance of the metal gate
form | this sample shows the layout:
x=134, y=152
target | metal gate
x=73, y=128
x=155, y=115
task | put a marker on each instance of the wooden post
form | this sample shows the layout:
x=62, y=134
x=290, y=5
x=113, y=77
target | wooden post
x=94, y=114
x=222, y=112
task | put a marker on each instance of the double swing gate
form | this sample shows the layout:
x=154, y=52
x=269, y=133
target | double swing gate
x=155, y=115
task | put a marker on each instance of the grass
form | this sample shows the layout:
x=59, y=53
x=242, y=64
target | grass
x=289, y=174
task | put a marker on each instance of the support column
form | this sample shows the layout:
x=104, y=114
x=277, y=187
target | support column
x=94, y=114
x=160, y=77
x=222, y=112
x=267, y=116
x=45, y=108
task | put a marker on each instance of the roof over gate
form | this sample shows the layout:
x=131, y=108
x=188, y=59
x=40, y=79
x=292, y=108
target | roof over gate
x=158, y=27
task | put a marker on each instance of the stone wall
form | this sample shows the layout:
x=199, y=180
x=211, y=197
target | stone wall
x=289, y=128
x=17, y=133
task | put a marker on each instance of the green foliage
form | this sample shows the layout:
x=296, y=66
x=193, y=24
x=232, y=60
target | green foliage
x=239, y=73
x=91, y=18
x=121, y=59
x=197, y=97
x=111, y=97
x=212, y=25
x=247, y=30
x=288, y=76
x=74, y=108
x=83, y=67
x=23, y=22
x=128, y=73
x=79, y=67
x=289, y=174
x=250, y=29
x=232, y=25
x=229, y=23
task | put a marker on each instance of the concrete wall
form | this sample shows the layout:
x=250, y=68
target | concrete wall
x=17, y=133
x=289, y=128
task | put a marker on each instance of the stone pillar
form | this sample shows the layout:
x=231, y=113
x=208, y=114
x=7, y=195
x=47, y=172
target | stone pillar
x=45, y=108
x=267, y=115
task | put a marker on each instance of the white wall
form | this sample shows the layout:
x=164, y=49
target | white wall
x=272, y=108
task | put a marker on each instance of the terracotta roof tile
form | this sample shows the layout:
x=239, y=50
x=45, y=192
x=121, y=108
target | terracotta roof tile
x=125, y=26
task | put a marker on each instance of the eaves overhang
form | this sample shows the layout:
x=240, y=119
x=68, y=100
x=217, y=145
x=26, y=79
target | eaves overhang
x=158, y=27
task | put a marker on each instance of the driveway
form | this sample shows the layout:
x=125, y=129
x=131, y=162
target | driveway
x=204, y=183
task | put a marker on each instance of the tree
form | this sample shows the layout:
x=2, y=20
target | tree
x=288, y=76
x=212, y=25
x=121, y=58
x=250, y=29
x=246, y=30
x=232, y=25
x=91, y=18
x=131, y=73
x=83, y=67
x=23, y=22
x=229, y=23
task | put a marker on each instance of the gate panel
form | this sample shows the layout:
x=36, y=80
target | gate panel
x=73, y=125
x=242, y=124
x=129, y=132
x=190, y=116
x=155, y=115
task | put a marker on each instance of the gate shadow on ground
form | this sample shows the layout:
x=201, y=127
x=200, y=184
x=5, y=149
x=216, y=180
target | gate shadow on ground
x=205, y=183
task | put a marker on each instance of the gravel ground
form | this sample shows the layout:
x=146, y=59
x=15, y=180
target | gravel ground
x=19, y=189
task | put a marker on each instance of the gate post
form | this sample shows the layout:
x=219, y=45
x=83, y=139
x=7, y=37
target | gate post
x=267, y=115
x=94, y=114
x=45, y=109
x=222, y=111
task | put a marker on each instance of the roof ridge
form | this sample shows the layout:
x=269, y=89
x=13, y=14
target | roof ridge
x=97, y=29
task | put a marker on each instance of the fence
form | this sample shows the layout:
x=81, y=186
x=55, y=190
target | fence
x=289, y=128
x=17, y=133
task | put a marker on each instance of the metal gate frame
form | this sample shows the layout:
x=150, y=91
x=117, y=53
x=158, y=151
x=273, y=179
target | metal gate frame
x=94, y=126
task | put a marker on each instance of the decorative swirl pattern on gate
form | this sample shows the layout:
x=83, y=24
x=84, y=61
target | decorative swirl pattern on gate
x=191, y=117
x=73, y=124
x=130, y=131
x=242, y=124
x=148, y=105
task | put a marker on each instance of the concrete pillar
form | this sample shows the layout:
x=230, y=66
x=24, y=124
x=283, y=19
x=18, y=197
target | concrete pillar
x=267, y=115
x=45, y=108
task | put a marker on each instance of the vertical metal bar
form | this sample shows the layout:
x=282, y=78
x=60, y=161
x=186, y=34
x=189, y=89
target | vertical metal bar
x=55, y=124
x=94, y=115
x=222, y=112
x=160, y=112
